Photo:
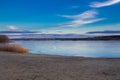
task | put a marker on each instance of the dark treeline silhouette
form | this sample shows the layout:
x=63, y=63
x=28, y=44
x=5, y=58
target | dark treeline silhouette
x=4, y=38
x=114, y=37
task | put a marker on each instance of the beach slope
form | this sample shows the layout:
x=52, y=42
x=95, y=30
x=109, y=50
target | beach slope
x=15, y=66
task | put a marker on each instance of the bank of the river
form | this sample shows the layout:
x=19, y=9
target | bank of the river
x=46, y=67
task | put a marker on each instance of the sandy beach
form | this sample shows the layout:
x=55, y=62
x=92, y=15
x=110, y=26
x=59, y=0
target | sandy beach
x=15, y=66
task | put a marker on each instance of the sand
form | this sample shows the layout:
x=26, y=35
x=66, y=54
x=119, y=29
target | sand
x=15, y=66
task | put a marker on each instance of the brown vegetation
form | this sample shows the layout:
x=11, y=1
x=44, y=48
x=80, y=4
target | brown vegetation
x=4, y=38
x=13, y=48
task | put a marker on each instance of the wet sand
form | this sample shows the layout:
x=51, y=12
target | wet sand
x=15, y=66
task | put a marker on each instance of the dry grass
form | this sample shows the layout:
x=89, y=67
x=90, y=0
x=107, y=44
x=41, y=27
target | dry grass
x=13, y=48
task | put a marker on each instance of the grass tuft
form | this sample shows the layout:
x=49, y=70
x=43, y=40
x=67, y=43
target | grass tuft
x=13, y=48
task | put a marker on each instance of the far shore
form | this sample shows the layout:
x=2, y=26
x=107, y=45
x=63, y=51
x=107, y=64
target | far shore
x=16, y=66
x=112, y=37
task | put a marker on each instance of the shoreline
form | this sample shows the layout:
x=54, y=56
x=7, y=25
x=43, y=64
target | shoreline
x=53, y=55
x=65, y=39
x=16, y=66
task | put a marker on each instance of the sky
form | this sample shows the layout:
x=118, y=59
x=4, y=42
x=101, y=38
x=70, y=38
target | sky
x=60, y=16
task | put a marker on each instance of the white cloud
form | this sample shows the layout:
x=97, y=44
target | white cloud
x=86, y=17
x=103, y=4
x=11, y=27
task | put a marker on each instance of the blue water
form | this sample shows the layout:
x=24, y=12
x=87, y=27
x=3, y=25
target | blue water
x=104, y=49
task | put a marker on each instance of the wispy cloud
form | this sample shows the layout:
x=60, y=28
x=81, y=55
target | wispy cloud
x=103, y=4
x=11, y=27
x=86, y=17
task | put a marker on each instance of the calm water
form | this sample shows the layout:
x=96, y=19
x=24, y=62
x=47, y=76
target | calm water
x=74, y=48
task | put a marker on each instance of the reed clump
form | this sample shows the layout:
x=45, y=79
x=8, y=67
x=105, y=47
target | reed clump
x=13, y=48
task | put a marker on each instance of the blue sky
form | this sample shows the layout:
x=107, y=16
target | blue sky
x=60, y=16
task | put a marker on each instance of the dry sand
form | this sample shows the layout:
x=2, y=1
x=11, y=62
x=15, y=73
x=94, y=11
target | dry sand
x=47, y=67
